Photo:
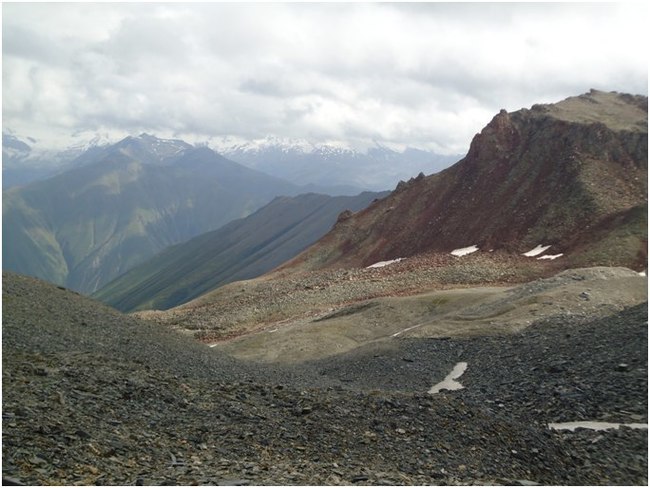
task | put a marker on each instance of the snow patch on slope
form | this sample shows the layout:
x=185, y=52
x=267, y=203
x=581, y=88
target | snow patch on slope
x=464, y=250
x=450, y=383
x=539, y=249
x=551, y=256
x=585, y=424
x=381, y=264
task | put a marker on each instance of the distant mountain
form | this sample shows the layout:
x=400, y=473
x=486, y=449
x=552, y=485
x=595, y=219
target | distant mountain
x=123, y=204
x=240, y=250
x=571, y=176
x=24, y=160
x=378, y=168
x=334, y=169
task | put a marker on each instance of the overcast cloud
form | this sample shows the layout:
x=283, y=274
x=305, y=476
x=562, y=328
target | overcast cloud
x=425, y=75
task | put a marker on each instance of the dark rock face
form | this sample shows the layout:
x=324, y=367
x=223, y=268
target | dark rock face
x=555, y=174
x=345, y=215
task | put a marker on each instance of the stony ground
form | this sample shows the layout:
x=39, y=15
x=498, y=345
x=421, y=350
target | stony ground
x=91, y=396
x=581, y=295
x=251, y=305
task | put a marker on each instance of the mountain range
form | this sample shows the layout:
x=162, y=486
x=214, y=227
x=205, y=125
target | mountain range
x=441, y=335
x=569, y=178
x=59, y=228
x=121, y=204
x=332, y=168
x=375, y=168
x=26, y=160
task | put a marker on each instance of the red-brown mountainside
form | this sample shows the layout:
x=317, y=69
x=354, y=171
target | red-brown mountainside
x=572, y=175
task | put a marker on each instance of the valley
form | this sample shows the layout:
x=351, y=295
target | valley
x=244, y=248
x=130, y=200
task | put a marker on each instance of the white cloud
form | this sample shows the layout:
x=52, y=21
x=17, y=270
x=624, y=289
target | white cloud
x=425, y=74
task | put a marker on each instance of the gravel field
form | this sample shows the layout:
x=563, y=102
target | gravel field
x=93, y=397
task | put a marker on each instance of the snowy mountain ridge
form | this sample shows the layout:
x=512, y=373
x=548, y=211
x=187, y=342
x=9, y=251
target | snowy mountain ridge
x=378, y=167
x=232, y=145
x=300, y=161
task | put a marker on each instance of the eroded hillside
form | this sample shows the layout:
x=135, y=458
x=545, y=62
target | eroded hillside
x=572, y=175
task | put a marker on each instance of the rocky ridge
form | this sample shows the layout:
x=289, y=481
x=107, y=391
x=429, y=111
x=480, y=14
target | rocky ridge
x=571, y=174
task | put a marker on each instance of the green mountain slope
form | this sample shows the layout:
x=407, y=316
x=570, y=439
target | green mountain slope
x=88, y=225
x=240, y=250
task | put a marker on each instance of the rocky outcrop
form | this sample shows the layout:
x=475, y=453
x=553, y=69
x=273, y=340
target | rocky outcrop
x=554, y=174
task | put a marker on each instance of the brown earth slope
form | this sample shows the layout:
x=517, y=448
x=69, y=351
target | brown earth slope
x=572, y=175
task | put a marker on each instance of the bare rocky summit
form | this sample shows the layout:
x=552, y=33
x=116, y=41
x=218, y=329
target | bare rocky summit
x=572, y=175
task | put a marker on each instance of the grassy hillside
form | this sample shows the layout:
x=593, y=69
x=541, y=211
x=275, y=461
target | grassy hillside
x=240, y=250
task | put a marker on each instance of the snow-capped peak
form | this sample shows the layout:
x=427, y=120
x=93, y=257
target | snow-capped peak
x=233, y=144
x=236, y=146
x=85, y=142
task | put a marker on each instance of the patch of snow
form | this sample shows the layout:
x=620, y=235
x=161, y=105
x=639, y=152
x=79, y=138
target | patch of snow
x=381, y=264
x=593, y=425
x=464, y=250
x=450, y=383
x=642, y=273
x=539, y=249
x=551, y=256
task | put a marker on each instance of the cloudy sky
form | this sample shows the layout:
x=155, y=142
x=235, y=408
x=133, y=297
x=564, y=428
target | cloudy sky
x=427, y=75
